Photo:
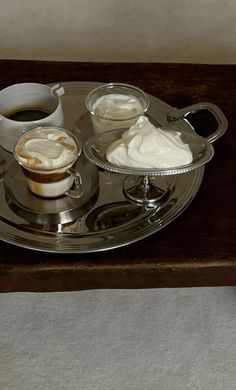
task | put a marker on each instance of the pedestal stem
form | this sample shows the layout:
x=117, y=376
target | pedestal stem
x=141, y=190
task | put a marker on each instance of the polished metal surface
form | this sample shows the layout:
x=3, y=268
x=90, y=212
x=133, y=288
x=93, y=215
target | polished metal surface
x=105, y=219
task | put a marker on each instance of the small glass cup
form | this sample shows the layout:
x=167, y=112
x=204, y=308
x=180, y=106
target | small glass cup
x=115, y=106
x=51, y=182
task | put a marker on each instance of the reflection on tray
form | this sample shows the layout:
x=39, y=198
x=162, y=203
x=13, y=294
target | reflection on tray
x=111, y=216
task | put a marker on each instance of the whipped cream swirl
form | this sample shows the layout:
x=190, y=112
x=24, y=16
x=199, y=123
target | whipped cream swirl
x=47, y=148
x=145, y=146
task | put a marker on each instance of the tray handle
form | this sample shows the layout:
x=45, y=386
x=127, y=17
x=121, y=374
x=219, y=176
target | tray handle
x=176, y=114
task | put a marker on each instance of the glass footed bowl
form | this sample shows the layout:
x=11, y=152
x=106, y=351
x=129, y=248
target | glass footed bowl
x=139, y=185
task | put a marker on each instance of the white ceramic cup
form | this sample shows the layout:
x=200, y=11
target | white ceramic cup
x=28, y=96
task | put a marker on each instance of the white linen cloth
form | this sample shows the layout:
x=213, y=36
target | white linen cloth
x=165, y=339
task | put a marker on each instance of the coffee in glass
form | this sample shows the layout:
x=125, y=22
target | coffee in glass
x=47, y=156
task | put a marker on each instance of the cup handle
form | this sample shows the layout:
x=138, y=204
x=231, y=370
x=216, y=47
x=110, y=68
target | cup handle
x=58, y=90
x=77, y=192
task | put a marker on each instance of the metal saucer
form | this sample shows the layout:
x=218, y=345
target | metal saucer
x=49, y=213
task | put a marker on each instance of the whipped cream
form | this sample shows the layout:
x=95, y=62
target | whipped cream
x=117, y=106
x=145, y=146
x=115, y=111
x=46, y=148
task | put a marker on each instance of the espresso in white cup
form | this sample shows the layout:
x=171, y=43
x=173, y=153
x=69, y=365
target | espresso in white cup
x=47, y=156
x=25, y=106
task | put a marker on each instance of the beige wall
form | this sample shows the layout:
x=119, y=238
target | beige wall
x=119, y=30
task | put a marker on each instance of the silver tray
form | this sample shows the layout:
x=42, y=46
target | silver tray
x=103, y=219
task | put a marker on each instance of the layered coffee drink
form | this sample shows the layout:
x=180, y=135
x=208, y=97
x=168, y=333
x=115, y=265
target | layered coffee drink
x=46, y=156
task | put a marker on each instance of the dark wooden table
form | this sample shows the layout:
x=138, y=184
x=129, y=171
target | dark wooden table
x=199, y=247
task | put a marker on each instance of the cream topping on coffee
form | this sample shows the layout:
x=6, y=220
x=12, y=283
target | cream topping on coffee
x=117, y=106
x=145, y=146
x=46, y=149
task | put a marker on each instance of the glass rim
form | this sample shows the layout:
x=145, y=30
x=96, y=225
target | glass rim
x=113, y=85
x=49, y=170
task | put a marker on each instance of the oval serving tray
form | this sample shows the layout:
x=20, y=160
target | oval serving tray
x=109, y=220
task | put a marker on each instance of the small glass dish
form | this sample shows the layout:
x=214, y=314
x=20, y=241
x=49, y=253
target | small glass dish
x=115, y=106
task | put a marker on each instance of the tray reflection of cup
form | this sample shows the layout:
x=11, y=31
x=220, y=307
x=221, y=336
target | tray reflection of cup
x=115, y=106
x=47, y=156
x=25, y=106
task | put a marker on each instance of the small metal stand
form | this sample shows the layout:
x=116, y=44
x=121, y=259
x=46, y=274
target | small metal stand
x=144, y=191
